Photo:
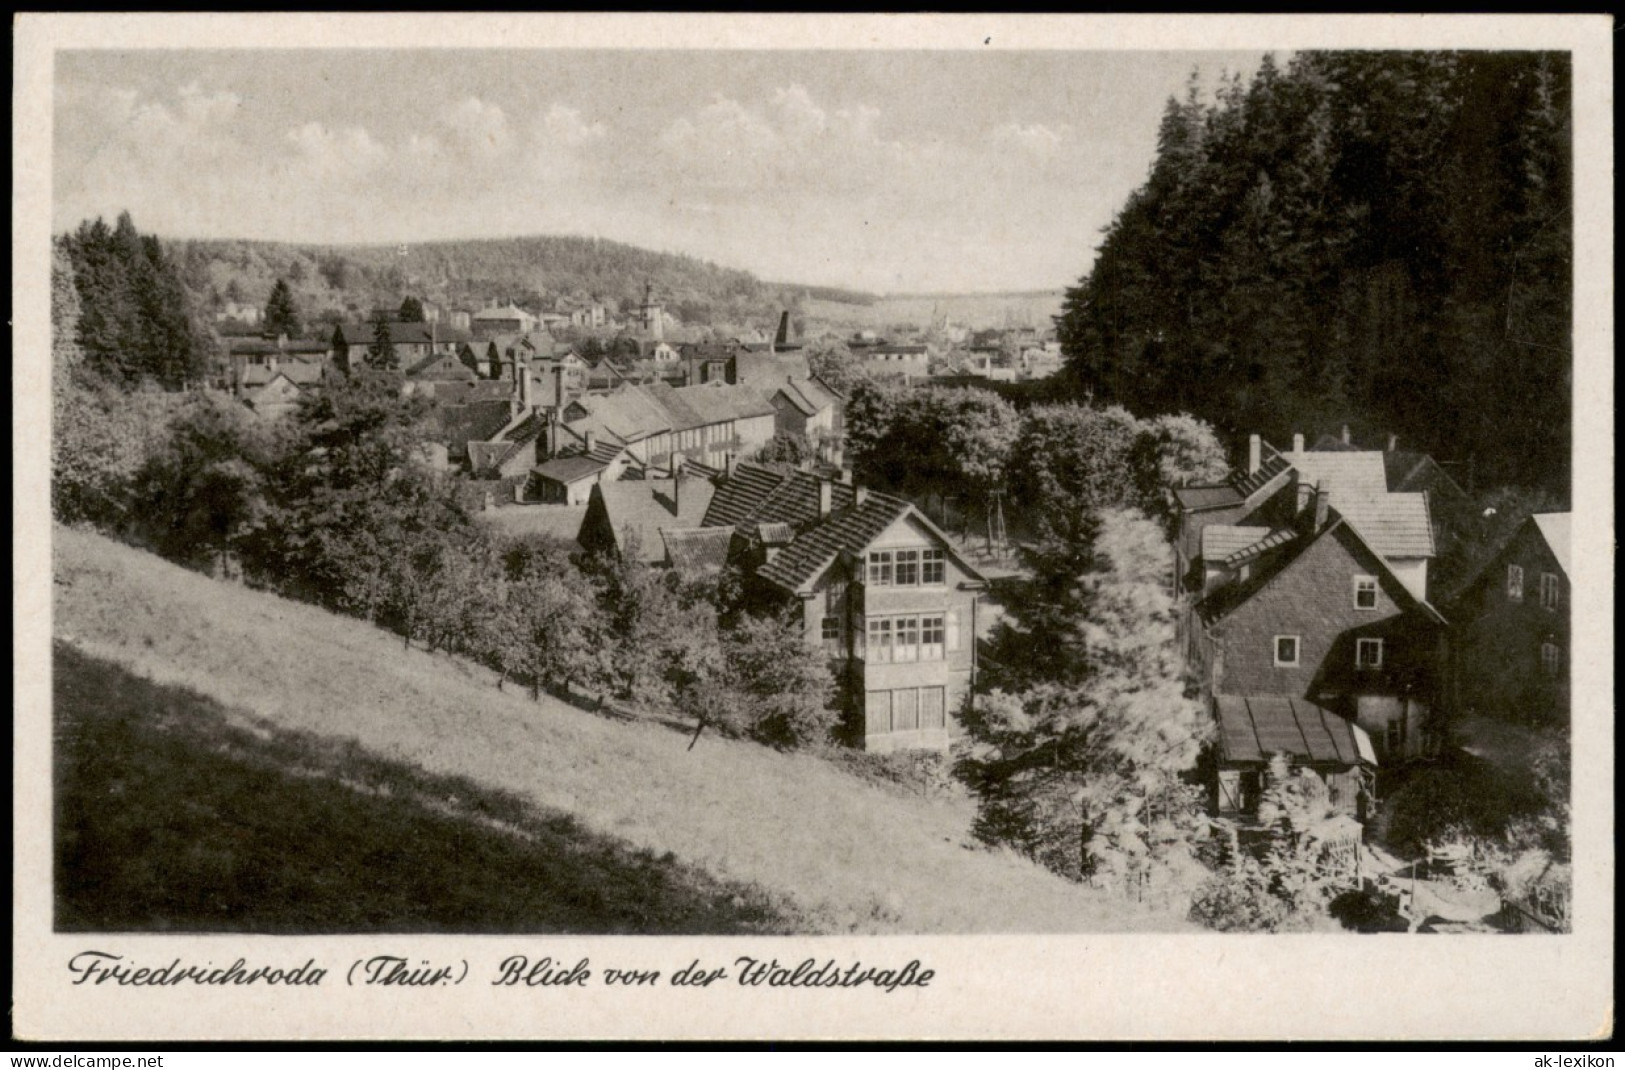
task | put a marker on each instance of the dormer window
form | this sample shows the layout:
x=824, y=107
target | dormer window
x=1365, y=592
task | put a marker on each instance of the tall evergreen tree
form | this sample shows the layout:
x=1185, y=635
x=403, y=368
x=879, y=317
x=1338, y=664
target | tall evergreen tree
x=281, y=312
x=411, y=310
x=381, y=353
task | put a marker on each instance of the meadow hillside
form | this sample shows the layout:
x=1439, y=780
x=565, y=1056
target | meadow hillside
x=835, y=852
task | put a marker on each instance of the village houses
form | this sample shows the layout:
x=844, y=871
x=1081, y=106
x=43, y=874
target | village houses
x=1308, y=604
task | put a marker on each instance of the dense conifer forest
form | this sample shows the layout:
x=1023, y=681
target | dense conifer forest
x=1378, y=239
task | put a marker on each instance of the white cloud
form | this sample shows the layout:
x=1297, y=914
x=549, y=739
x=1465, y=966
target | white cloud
x=565, y=126
x=479, y=126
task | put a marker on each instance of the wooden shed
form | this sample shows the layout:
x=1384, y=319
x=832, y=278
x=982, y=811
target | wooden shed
x=1253, y=727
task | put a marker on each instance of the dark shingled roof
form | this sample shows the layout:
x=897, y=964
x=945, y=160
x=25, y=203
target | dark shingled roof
x=1279, y=537
x=852, y=529
x=1273, y=465
x=1252, y=727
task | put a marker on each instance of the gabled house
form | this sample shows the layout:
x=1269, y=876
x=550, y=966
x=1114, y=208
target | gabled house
x=412, y=342
x=506, y=319
x=881, y=590
x=810, y=409
x=636, y=516
x=569, y=477
x=1509, y=651
x=1305, y=578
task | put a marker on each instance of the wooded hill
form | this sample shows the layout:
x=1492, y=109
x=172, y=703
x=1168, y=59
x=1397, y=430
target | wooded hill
x=471, y=273
x=1376, y=238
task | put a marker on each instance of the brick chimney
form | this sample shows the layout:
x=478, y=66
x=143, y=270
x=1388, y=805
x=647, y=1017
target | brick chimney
x=1345, y=434
x=728, y=464
x=1323, y=503
x=860, y=494
x=826, y=497
x=843, y=476
x=592, y=441
x=1297, y=443
x=1255, y=450
x=1393, y=443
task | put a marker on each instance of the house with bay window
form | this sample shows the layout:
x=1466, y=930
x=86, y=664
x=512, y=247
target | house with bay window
x=879, y=588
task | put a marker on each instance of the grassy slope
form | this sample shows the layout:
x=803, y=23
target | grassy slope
x=224, y=823
x=851, y=856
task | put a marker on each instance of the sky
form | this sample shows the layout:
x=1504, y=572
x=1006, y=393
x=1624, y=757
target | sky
x=889, y=171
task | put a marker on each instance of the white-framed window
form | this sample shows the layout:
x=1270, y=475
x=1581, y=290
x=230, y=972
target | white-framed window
x=879, y=648
x=933, y=568
x=931, y=638
x=830, y=635
x=1550, y=593
x=1368, y=653
x=880, y=568
x=1365, y=592
x=906, y=639
x=1515, y=583
x=1286, y=651
x=1551, y=659
x=907, y=571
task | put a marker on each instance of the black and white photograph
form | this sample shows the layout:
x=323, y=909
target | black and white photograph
x=498, y=492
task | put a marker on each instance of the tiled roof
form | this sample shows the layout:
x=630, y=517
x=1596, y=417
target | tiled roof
x=697, y=549
x=1271, y=467
x=1555, y=529
x=852, y=528
x=360, y=334
x=441, y=366
x=1252, y=727
x=1252, y=551
x=740, y=496
x=641, y=509
x=629, y=414
x=527, y=430
x=1346, y=474
x=1219, y=541
x=809, y=396
x=570, y=469
x=473, y=421
x=1394, y=525
x=710, y=403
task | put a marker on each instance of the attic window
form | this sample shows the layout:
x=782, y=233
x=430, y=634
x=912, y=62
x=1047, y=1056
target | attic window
x=932, y=571
x=1365, y=592
x=1515, y=583
x=1368, y=654
x=1286, y=651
